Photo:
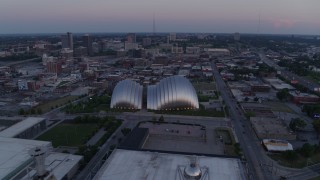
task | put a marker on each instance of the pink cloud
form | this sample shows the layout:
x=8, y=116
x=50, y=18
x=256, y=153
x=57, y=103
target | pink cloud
x=279, y=23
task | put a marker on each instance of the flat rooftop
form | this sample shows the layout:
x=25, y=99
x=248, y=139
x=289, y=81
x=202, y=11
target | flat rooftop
x=182, y=138
x=20, y=127
x=132, y=165
x=270, y=126
x=278, y=84
x=14, y=154
x=60, y=164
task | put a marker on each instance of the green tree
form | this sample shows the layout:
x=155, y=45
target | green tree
x=316, y=126
x=161, y=119
x=21, y=111
x=297, y=124
x=283, y=94
x=290, y=155
x=39, y=111
x=32, y=111
x=307, y=150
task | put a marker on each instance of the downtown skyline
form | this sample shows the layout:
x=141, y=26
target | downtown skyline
x=205, y=16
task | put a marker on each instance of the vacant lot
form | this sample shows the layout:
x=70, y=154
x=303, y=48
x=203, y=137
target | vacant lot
x=45, y=107
x=278, y=106
x=228, y=140
x=69, y=134
x=298, y=162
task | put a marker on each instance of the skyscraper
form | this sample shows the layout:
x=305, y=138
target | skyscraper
x=87, y=42
x=236, y=36
x=172, y=36
x=67, y=40
x=131, y=38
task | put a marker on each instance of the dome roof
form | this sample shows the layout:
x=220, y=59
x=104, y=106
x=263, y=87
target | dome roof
x=127, y=95
x=175, y=92
x=192, y=171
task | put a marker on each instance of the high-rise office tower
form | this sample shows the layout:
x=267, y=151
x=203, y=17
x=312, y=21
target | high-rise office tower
x=131, y=38
x=236, y=36
x=87, y=42
x=172, y=36
x=67, y=40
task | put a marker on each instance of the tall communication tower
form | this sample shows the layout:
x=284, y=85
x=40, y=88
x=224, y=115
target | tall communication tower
x=154, y=24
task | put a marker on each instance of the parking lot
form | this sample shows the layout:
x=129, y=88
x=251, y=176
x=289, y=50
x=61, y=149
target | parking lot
x=182, y=138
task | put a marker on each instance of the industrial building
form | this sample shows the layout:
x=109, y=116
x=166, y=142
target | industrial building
x=25, y=129
x=131, y=165
x=274, y=145
x=271, y=128
x=17, y=160
x=304, y=98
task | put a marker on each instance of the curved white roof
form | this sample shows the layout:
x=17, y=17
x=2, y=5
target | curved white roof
x=175, y=92
x=127, y=95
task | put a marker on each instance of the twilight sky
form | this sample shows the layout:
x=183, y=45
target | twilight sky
x=214, y=16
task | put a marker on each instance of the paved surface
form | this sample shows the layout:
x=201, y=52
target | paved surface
x=289, y=75
x=96, y=137
x=96, y=162
x=182, y=138
x=260, y=166
x=248, y=141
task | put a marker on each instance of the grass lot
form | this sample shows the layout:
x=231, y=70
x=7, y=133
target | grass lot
x=316, y=178
x=278, y=106
x=313, y=76
x=299, y=162
x=228, y=140
x=45, y=107
x=69, y=134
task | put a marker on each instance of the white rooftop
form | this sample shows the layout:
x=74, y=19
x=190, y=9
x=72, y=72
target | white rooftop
x=277, y=145
x=21, y=126
x=14, y=153
x=132, y=165
x=59, y=164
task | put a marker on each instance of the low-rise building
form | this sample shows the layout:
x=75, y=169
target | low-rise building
x=193, y=50
x=275, y=145
x=271, y=128
x=304, y=98
x=130, y=164
x=25, y=129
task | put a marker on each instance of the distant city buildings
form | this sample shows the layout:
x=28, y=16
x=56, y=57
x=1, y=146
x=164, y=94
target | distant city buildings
x=131, y=38
x=67, y=40
x=146, y=41
x=87, y=42
x=236, y=36
x=172, y=36
x=54, y=67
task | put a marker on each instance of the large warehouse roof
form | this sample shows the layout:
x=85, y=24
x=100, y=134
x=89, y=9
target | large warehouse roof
x=14, y=154
x=132, y=165
x=175, y=92
x=19, y=127
x=127, y=95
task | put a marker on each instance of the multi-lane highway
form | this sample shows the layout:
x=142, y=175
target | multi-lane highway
x=289, y=75
x=248, y=141
x=259, y=164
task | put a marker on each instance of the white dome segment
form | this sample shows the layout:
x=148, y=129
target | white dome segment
x=175, y=92
x=127, y=95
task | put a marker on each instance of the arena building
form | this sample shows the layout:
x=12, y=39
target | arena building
x=175, y=92
x=171, y=93
x=127, y=95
